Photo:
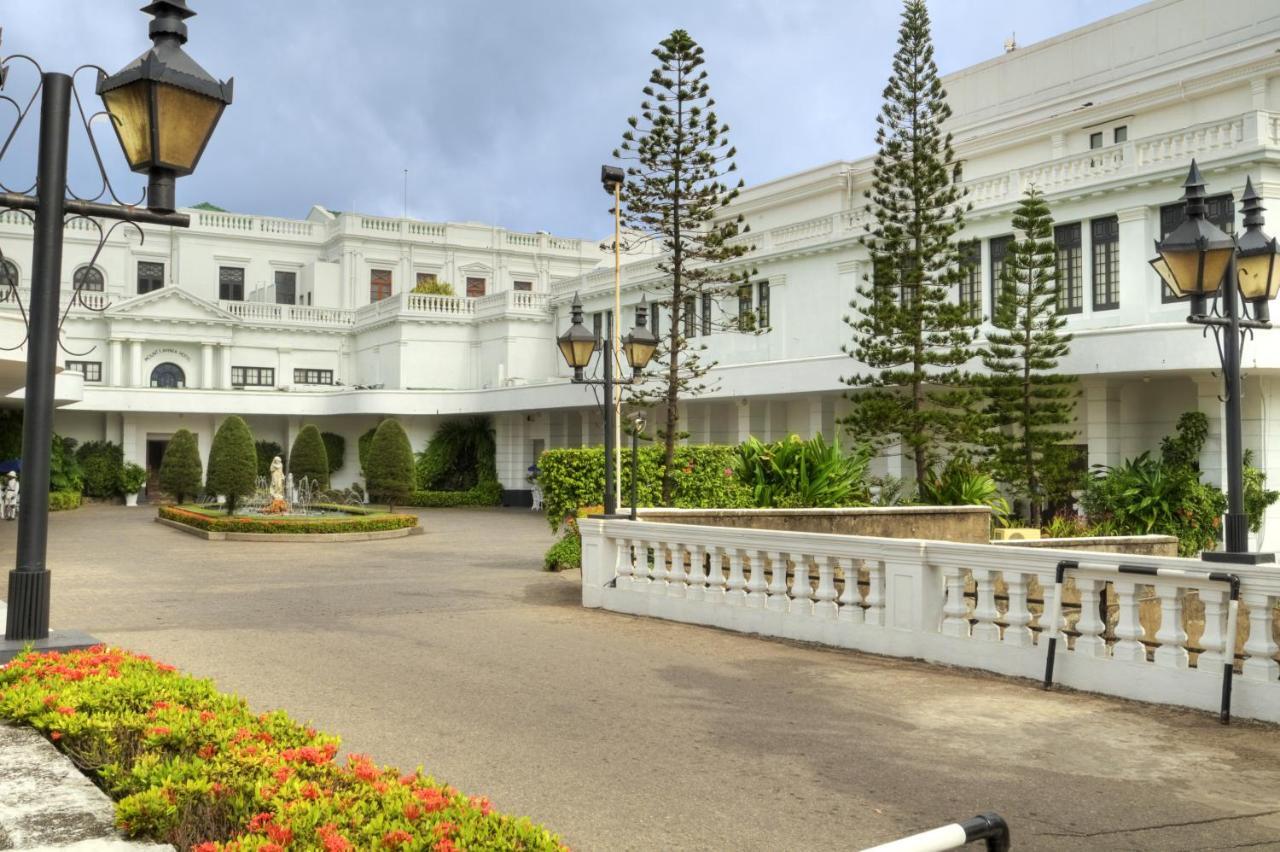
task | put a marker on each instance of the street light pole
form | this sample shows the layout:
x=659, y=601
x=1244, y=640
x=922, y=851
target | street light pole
x=1236, y=528
x=610, y=420
x=637, y=426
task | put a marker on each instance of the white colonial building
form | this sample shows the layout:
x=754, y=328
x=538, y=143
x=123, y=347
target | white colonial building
x=296, y=321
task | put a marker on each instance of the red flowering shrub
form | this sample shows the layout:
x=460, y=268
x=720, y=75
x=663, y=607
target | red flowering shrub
x=191, y=766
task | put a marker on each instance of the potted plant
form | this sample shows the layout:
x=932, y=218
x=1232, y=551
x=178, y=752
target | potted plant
x=132, y=478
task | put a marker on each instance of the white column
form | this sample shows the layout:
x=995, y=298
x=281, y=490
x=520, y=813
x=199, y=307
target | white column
x=129, y=439
x=815, y=416
x=224, y=367
x=1102, y=422
x=206, y=366
x=1213, y=461
x=115, y=364
x=744, y=419
x=1138, y=285
x=135, y=363
x=1267, y=456
x=284, y=366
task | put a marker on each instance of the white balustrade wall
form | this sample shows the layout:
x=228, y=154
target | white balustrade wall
x=906, y=598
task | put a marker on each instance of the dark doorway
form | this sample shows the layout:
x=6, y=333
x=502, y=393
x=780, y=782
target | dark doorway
x=155, y=456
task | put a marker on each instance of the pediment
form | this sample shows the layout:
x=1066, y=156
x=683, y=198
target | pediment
x=169, y=303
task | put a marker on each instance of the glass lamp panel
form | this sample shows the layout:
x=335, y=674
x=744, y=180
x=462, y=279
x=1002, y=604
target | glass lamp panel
x=1215, y=267
x=186, y=121
x=130, y=109
x=1259, y=275
x=639, y=353
x=1166, y=275
x=582, y=350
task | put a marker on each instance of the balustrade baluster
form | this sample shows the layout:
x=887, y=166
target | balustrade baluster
x=755, y=584
x=801, y=591
x=697, y=589
x=1091, y=641
x=825, y=607
x=955, y=611
x=1172, y=653
x=985, y=611
x=875, y=592
x=778, y=583
x=1128, y=628
x=625, y=568
x=1018, y=616
x=1213, y=642
x=715, y=579
x=1260, y=650
x=736, y=595
x=676, y=575
x=850, y=594
x=659, y=584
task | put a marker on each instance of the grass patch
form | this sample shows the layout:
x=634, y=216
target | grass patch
x=357, y=520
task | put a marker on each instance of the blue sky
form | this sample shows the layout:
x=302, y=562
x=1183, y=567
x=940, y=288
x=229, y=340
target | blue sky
x=501, y=111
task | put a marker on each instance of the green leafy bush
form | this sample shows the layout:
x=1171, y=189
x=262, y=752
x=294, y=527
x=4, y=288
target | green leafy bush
x=1257, y=497
x=307, y=457
x=132, y=478
x=363, y=443
x=196, y=768
x=433, y=288
x=483, y=494
x=101, y=463
x=389, y=470
x=703, y=478
x=460, y=454
x=794, y=473
x=357, y=522
x=181, y=473
x=233, y=462
x=266, y=452
x=64, y=471
x=1146, y=495
x=566, y=553
x=61, y=501
x=335, y=450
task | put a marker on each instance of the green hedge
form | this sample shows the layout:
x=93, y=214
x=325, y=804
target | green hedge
x=358, y=523
x=484, y=494
x=572, y=478
x=60, y=501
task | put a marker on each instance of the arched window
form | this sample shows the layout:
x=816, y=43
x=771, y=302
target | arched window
x=168, y=375
x=88, y=278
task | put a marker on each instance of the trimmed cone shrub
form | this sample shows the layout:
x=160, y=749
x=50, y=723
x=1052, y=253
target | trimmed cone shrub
x=335, y=448
x=101, y=463
x=233, y=462
x=389, y=469
x=308, y=457
x=180, y=470
x=363, y=443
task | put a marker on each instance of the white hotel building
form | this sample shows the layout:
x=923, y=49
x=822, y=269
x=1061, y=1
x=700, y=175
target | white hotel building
x=289, y=322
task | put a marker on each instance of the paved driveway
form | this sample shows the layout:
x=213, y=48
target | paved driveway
x=453, y=650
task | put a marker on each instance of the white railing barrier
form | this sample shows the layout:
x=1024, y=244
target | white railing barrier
x=909, y=598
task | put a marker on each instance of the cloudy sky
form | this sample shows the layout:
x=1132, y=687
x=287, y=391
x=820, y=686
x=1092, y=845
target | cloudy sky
x=502, y=111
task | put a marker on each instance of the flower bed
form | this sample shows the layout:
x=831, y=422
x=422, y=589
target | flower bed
x=361, y=521
x=191, y=766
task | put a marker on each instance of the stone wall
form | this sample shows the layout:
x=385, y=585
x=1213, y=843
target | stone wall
x=1138, y=545
x=944, y=523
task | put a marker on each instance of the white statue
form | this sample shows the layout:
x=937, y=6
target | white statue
x=9, y=497
x=277, y=479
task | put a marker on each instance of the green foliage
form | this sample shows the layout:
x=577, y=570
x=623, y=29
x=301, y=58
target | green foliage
x=181, y=473
x=132, y=478
x=308, y=458
x=566, y=553
x=1257, y=497
x=64, y=470
x=267, y=451
x=10, y=433
x=461, y=454
x=909, y=333
x=359, y=521
x=1029, y=401
x=233, y=462
x=389, y=469
x=960, y=483
x=199, y=769
x=335, y=450
x=703, y=478
x=1146, y=495
x=363, y=443
x=61, y=501
x=1067, y=526
x=101, y=463
x=1182, y=448
x=675, y=196
x=434, y=288
x=793, y=473
x=482, y=494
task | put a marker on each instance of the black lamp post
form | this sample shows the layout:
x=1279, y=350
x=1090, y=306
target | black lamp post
x=637, y=426
x=164, y=108
x=577, y=345
x=1200, y=261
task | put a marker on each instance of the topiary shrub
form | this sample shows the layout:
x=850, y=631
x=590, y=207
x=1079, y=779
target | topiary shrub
x=267, y=451
x=389, y=469
x=233, y=462
x=180, y=470
x=335, y=449
x=64, y=470
x=460, y=454
x=101, y=463
x=308, y=458
x=363, y=443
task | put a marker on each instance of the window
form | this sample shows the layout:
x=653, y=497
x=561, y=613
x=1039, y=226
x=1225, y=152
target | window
x=746, y=319
x=150, y=276
x=1106, y=263
x=379, y=284
x=763, y=304
x=231, y=283
x=597, y=326
x=475, y=287
x=522, y=286
x=970, y=295
x=1121, y=134
x=1095, y=140
x=655, y=317
x=999, y=248
x=168, y=375
x=91, y=370
x=286, y=288
x=690, y=317
x=88, y=278
x=706, y=314
x=1219, y=209
x=1070, y=283
x=313, y=377
x=253, y=377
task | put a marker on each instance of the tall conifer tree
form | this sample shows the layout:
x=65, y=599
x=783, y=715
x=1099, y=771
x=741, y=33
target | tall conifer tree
x=673, y=194
x=908, y=328
x=1029, y=400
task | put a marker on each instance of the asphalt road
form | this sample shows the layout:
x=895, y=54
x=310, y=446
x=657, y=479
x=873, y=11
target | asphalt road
x=454, y=651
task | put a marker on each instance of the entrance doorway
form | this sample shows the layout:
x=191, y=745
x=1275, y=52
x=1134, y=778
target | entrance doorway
x=155, y=456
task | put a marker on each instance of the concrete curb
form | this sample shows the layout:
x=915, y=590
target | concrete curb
x=291, y=538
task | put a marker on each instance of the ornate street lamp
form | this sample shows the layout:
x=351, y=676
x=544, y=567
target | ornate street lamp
x=163, y=105
x=1199, y=260
x=577, y=345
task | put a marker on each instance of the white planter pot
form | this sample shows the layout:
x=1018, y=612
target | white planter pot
x=131, y=499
